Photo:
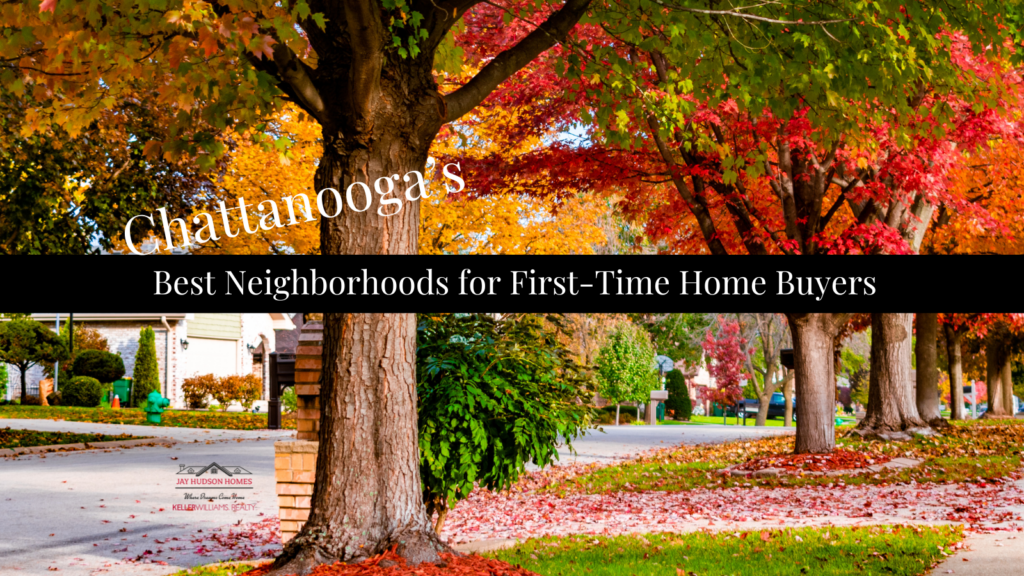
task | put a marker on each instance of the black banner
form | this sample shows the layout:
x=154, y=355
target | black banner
x=513, y=283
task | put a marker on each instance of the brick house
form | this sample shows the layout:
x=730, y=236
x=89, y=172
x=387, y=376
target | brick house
x=186, y=344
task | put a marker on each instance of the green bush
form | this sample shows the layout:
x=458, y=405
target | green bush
x=146, y=374
x=103, y=366
x=678, y=395
x=82, y=391
x=289, y=400
x=492, y=396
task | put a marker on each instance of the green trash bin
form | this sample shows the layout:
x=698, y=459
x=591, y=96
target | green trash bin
x=661, y=411
x=123, y=390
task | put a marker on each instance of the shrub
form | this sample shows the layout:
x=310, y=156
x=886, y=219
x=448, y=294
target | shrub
x=30, y=400
x=103, y=366
x=224, y=390
x=289, y=400
x=242, y=389
x=83, y=391
x=678, y=395
x=53, y=398
x=198, y=389
x=147, y=372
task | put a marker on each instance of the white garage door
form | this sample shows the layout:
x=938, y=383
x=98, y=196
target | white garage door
x=211, y=356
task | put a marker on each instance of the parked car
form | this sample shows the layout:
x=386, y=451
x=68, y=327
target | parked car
x=776, y=406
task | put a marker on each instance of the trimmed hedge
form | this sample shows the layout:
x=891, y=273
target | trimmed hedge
x=98, y=364
x=82, y=391
x=678, y=395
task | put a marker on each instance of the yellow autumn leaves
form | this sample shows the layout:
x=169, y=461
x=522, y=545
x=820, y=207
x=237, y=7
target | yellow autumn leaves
x=510, y=223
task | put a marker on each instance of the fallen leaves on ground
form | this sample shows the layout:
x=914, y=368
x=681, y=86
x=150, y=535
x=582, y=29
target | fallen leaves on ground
x=840, y=459
x=11, y=438
x=391, y=564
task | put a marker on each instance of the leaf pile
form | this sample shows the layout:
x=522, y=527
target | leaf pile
x=137, y=417
x=840, y=459
x=10, y=438
x=391, y=564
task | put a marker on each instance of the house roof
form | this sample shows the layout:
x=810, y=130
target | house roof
x=285, y=341
x=114, y=316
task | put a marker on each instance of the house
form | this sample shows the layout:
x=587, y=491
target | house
x=187, y=344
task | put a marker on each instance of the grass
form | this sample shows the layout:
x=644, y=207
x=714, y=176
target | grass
x=731, y=421
x=135, y=416
x=894, y=550
x=10, y=438
x=979, y=451
x=221, y=569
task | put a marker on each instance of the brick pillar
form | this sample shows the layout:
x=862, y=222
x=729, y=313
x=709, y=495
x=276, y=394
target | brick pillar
x=295, y=469
x=307, y=374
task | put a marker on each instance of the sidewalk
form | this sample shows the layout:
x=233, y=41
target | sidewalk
x=992, y=554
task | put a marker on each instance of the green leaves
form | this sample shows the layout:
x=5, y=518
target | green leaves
x=625, y=366
x=493, y=395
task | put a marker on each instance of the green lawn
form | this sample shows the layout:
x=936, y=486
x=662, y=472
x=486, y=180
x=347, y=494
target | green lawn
x=891, y=550
x=10, y=438
x=962, y=453
x=894, y=550
x=731, y=421
x=135, y=416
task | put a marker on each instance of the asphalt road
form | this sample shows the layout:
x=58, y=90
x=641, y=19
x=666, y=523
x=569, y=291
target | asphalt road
x=96, y=512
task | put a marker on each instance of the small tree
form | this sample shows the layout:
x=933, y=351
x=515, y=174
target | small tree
x=678, y=395
x=25, y=343
x=625, y=367
x=728, y=353
x=492, y=396
x=146, y=374
x=85, y=339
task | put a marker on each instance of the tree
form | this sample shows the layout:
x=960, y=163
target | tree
x=67, y=193
x=770, y=333
x=25, y=343
x=364, y=71
x=625, y=367
x=84, y=339
x=677, y=336
x=814, y=373
x=678, y=395
x=892, y=406
x=493, y=396
x=727, y=352
x=146, y=373
x=927, y=358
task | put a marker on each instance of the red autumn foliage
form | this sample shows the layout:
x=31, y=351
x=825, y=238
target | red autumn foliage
x=837, y=460
x=728, y=354
x=391, y=564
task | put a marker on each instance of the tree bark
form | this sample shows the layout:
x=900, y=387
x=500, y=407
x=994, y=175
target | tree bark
x=892, y=409
x=764, y=399
x=24, y=384
x=956, y=373
x=813, y=336
x=787, y=392
x=367, y=496
x=928, y=402
x=1007, y=378
x=994, y=357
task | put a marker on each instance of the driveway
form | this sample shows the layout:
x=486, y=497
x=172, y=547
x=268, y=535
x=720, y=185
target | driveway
x=112, y=511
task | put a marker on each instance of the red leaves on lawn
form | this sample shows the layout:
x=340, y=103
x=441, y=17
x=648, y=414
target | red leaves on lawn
x=838, y=460
x=471, y=565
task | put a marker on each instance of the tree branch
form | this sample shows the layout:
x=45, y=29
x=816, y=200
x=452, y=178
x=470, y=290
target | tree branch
x=552, y=31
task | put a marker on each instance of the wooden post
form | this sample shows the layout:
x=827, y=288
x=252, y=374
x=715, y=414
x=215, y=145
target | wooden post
x=308, y=362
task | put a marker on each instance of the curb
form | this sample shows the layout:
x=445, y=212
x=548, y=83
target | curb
x=87, y=446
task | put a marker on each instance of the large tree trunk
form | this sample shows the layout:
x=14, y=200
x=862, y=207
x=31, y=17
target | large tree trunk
x=956, y=373
x=997, y=359
x=24, y=383
x=928, y=401
x=367, y=495
x=813, y=336
x=892, y=407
